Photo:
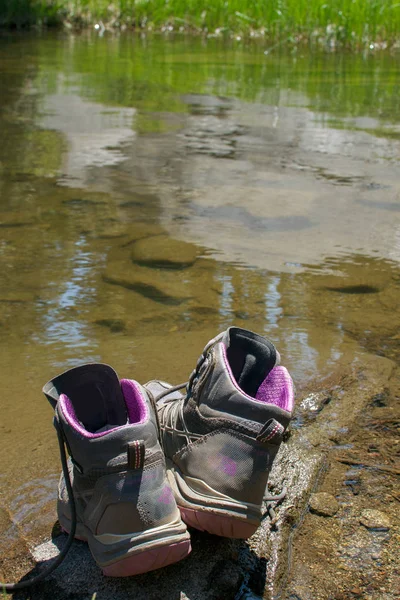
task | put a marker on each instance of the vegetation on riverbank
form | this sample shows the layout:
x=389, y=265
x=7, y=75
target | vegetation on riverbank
x=348, y=23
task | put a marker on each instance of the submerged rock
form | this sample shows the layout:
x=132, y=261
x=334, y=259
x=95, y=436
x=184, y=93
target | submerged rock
x=82, y=202
x=375, y=519
x=323, y=504
x=139, y=231
x=355, y=289
x=161, y=286
x=144, y=289
x=163, y=251
x=114, y=325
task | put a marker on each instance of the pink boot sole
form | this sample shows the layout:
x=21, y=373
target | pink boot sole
x=216, y=524
x=148, y=560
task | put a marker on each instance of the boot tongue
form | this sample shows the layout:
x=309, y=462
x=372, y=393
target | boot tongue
x=250, y=356
x=95, y=393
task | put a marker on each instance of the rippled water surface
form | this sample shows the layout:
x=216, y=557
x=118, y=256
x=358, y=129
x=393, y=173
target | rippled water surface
x=271, y=182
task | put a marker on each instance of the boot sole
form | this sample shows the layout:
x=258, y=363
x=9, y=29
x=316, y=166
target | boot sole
x=149, y=560
x=229, y=527
x=212, y=512
x=136, y=555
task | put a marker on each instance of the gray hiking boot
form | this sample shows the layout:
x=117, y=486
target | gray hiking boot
x=125, y=507
x=221, y=438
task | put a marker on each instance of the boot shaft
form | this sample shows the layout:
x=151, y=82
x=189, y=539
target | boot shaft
x=116, y=462
x=107, y=423
x=217, y=394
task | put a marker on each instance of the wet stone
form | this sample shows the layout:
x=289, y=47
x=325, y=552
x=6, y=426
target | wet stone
x=4, y=520
x=14, y=224
x=149, y=283
x=314, y=402
x=82, y=202
x=139, y=231
x=14, y=219
x=355, y=289
x=375, y=519
x=112, y=235
x=163, y=251
x=139, y=200
x=323, y=504
x=114, y=325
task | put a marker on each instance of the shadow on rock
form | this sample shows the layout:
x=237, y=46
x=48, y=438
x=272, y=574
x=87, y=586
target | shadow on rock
x=217, y=569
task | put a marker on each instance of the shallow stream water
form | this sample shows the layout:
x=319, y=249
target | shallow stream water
x=273, y=178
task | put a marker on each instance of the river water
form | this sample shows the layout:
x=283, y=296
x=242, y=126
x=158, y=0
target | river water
x=274, y=178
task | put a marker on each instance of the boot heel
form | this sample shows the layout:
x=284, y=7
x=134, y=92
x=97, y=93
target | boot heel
x=150, y=560
x=229, y=527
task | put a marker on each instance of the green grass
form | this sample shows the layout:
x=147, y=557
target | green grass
x=353, y=23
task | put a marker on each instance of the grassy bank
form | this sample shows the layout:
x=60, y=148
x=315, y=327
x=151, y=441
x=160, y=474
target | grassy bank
x=352, y=23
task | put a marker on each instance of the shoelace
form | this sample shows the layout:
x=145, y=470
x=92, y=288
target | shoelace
x=11, y=587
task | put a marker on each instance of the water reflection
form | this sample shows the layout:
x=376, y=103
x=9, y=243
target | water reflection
x=120, y=159
x=272, y=303
x=92, y=133
x=76, y=293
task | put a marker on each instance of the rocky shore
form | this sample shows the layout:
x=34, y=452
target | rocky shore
x=333, y=537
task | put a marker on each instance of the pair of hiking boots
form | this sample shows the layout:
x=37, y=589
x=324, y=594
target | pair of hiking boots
x=147, y=460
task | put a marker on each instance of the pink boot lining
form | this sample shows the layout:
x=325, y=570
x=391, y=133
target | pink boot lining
x=277, y=388
x=135, y=405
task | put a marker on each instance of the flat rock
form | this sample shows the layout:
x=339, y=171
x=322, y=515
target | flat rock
x=167, y=289
x=140, y=231
x=22, y=297
x=9, y=224
x=163, y=251
x=375, y=519
x=79, y=576
x=323, y=504
x=114, y=325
